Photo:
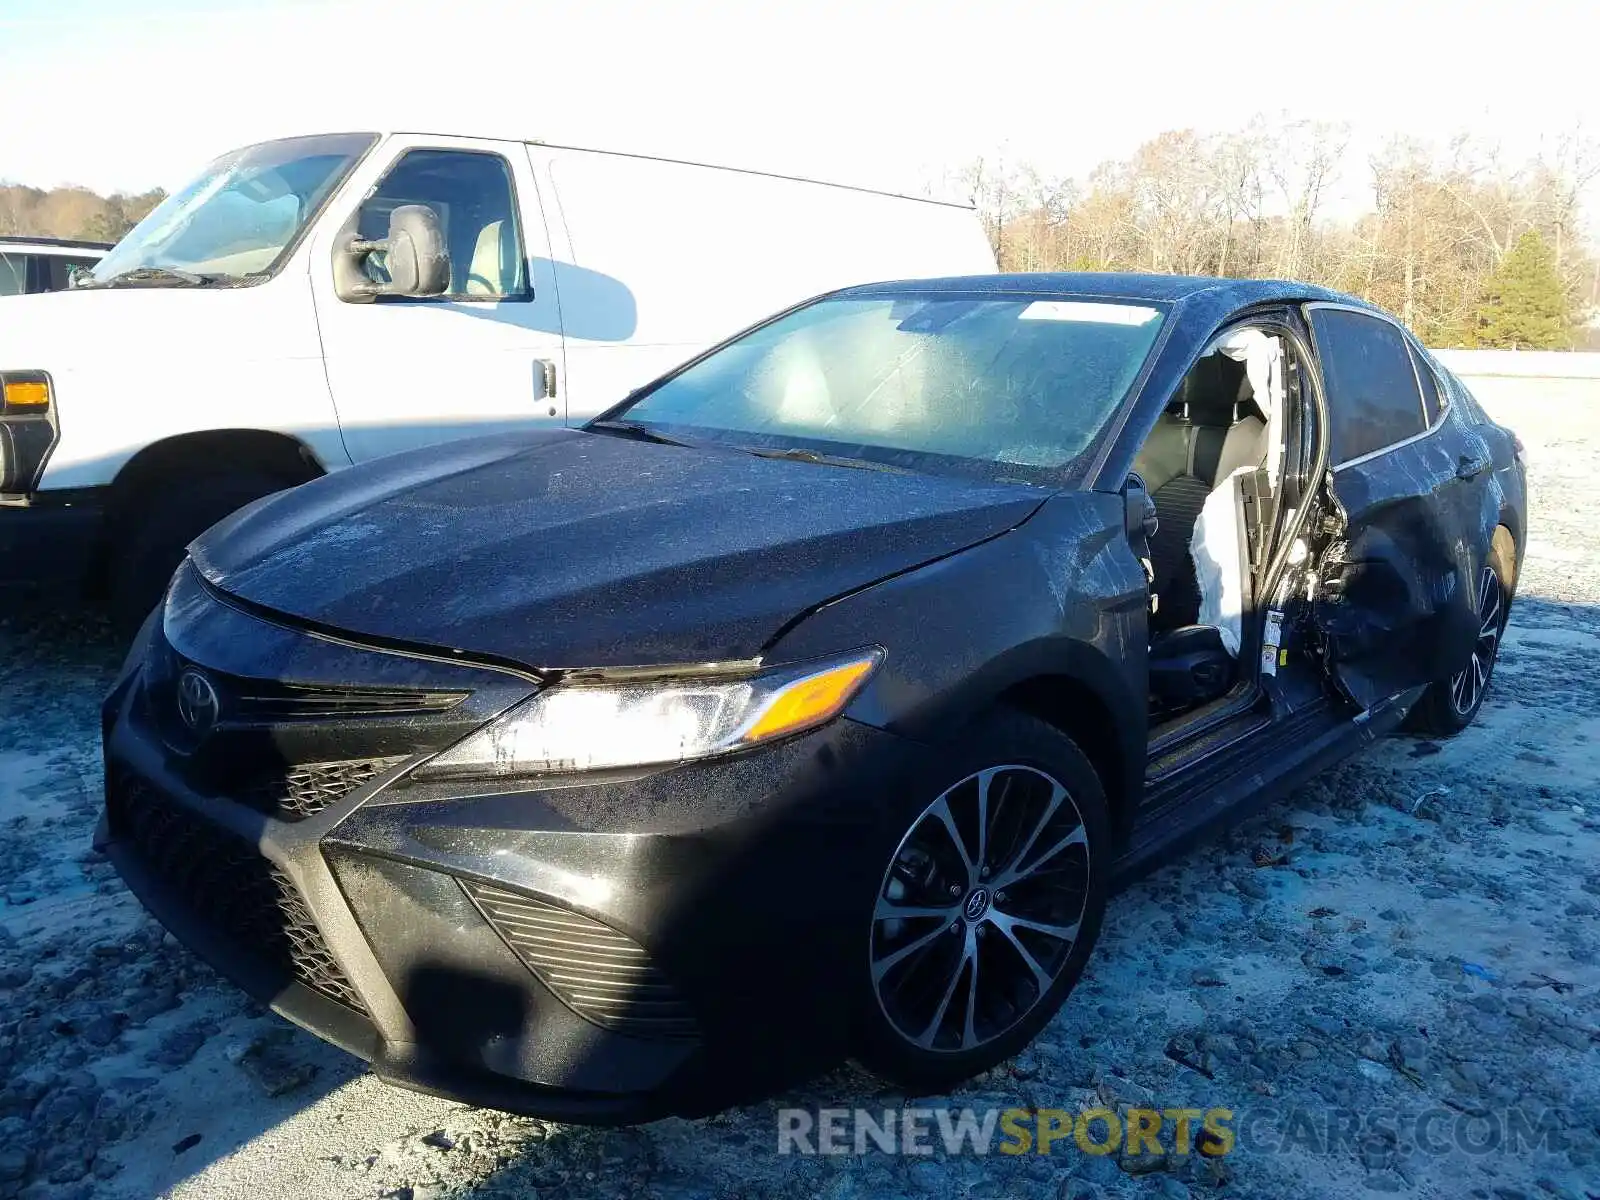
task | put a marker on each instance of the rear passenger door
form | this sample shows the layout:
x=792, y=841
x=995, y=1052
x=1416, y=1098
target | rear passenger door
x=1395, y=605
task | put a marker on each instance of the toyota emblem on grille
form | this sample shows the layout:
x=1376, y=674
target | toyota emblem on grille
x=198, y=705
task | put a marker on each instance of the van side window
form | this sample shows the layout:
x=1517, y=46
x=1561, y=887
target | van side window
x=13, y=274
x=472, y=194
x=1373, y=400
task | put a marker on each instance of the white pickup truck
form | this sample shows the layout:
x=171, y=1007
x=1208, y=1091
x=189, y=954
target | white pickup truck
x=317, y=301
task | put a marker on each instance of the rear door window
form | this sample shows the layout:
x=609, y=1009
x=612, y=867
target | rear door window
x=1433, y=401
x=1373, y=397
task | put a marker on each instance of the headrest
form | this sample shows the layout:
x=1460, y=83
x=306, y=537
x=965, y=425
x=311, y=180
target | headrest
x=1209, y=393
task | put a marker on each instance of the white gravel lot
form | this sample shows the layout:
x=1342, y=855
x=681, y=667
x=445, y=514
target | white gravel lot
x=1424, y=942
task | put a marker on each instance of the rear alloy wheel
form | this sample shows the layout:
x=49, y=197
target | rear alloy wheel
x=985, y=915
x=1449, y=706
x=1467, y=686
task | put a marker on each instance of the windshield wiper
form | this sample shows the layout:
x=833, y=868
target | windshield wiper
x=828, y=460
x=637, y=431
x=157, y=275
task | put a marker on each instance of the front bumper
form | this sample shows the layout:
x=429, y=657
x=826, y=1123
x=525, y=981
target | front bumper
x=731, y=895
x=52, y=540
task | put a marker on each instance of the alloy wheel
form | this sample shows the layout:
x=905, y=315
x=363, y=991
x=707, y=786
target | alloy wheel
x=1467, y=685
x=980, y=908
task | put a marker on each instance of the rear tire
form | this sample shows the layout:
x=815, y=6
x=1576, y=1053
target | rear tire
x=151, y=541
x=972, y=976
x=1449, y=705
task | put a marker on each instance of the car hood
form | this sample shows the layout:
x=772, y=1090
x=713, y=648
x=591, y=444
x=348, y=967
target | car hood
x=573, y=549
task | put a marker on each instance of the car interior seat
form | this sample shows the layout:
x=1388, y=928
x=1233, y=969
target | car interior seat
x=1206, y=433
x=494, y=269
x=1211, y=429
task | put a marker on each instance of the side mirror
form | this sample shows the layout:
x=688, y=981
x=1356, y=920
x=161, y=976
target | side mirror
x=1140, y=511
x=415, y=257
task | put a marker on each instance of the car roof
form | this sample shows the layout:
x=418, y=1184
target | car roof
x=1118, y=285
x=50, y=244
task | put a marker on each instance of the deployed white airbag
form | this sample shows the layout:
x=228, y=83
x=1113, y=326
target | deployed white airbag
x=1219, y=552
x=1218, y=546
x=1262, y=355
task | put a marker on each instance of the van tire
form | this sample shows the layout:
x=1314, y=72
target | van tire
x=152, y=539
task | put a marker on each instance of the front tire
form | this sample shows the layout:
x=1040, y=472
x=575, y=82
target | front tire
x=988, y=907
x=152, y=542
x=1449, y=705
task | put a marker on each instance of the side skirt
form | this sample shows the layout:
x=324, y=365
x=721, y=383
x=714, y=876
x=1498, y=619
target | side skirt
x=1224, y=789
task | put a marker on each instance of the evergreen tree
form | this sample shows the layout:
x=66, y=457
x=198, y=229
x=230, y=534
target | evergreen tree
x=1525, y=304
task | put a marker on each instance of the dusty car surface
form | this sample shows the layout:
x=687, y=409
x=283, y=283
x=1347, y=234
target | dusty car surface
x=811, y=702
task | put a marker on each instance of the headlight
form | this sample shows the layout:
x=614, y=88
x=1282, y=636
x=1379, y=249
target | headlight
x=590, y=725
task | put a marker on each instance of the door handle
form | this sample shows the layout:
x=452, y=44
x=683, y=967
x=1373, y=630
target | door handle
x=544, y=379
x=1470, y=468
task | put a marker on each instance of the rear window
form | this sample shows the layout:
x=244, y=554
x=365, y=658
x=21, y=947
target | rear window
x=1373, y=399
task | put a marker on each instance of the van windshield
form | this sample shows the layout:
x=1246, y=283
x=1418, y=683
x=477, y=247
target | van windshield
x=1011, y=387
x=237, y=221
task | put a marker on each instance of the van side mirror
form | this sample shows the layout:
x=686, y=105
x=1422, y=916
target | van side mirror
x=414, y=256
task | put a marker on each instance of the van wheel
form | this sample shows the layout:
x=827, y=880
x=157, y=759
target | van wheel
x=152, y=540
x=1449, y=705
x=988, y=907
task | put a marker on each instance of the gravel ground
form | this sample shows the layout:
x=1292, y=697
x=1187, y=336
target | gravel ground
x=1414, y=933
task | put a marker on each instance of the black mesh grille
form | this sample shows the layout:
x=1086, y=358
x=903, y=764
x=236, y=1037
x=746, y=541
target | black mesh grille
x=298, y=792
x=225, y=881
x=597, y=972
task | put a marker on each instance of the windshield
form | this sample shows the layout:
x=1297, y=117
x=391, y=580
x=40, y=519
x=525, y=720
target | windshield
x=241, y=215
x=998, y=387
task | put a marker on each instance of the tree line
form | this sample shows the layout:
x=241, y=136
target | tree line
x=1468, y=248
x=72, y=212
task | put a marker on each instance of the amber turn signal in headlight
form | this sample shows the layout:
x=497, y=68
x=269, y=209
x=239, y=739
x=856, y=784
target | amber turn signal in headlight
x=593, y=724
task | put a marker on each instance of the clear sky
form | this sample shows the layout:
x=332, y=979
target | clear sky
x=132, y=93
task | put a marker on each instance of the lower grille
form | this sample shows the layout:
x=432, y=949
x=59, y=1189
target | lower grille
x=303, y=791
x=600, y=974
x=225, y=881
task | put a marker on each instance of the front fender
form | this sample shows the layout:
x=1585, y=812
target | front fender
x=1060, y=596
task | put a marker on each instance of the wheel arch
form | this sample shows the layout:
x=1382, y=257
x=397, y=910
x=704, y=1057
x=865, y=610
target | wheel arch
x=1114, y=746
x=177, y=457
x=211, y=450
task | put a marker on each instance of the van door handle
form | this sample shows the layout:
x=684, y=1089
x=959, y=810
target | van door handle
x=544, y=379
x=1470, y=468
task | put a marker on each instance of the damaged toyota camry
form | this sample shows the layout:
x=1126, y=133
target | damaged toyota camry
x=811, y=702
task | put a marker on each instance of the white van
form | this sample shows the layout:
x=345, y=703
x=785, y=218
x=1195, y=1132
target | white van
x=317, y=301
